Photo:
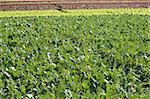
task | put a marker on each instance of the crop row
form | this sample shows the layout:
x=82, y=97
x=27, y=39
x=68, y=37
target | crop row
x=85, y=12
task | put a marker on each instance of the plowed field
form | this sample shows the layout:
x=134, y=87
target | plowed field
x=70, y=4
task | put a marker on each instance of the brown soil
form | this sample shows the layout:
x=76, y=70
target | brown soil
x=71, y=4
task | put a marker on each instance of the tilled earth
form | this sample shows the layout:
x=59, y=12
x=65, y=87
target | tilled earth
x=71, y=4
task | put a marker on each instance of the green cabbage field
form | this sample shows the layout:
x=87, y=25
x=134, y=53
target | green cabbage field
x=75, y=57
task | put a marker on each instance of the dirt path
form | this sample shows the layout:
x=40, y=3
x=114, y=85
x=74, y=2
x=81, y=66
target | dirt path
x=71, y=4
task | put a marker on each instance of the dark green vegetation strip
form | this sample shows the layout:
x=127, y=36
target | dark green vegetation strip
x=75, y=56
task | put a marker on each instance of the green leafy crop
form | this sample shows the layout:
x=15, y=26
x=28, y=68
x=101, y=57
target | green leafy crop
x=101, y=56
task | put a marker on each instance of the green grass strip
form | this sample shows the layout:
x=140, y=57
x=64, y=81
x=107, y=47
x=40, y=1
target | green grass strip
x=81, y=12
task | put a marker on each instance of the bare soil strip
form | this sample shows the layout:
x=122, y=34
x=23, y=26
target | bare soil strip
x=63, y=0
x=67, y=1
x=72, y=4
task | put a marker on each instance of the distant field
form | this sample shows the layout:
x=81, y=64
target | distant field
x=72, y=4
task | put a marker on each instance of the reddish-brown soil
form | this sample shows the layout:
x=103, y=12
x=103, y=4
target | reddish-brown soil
x=71, y=4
